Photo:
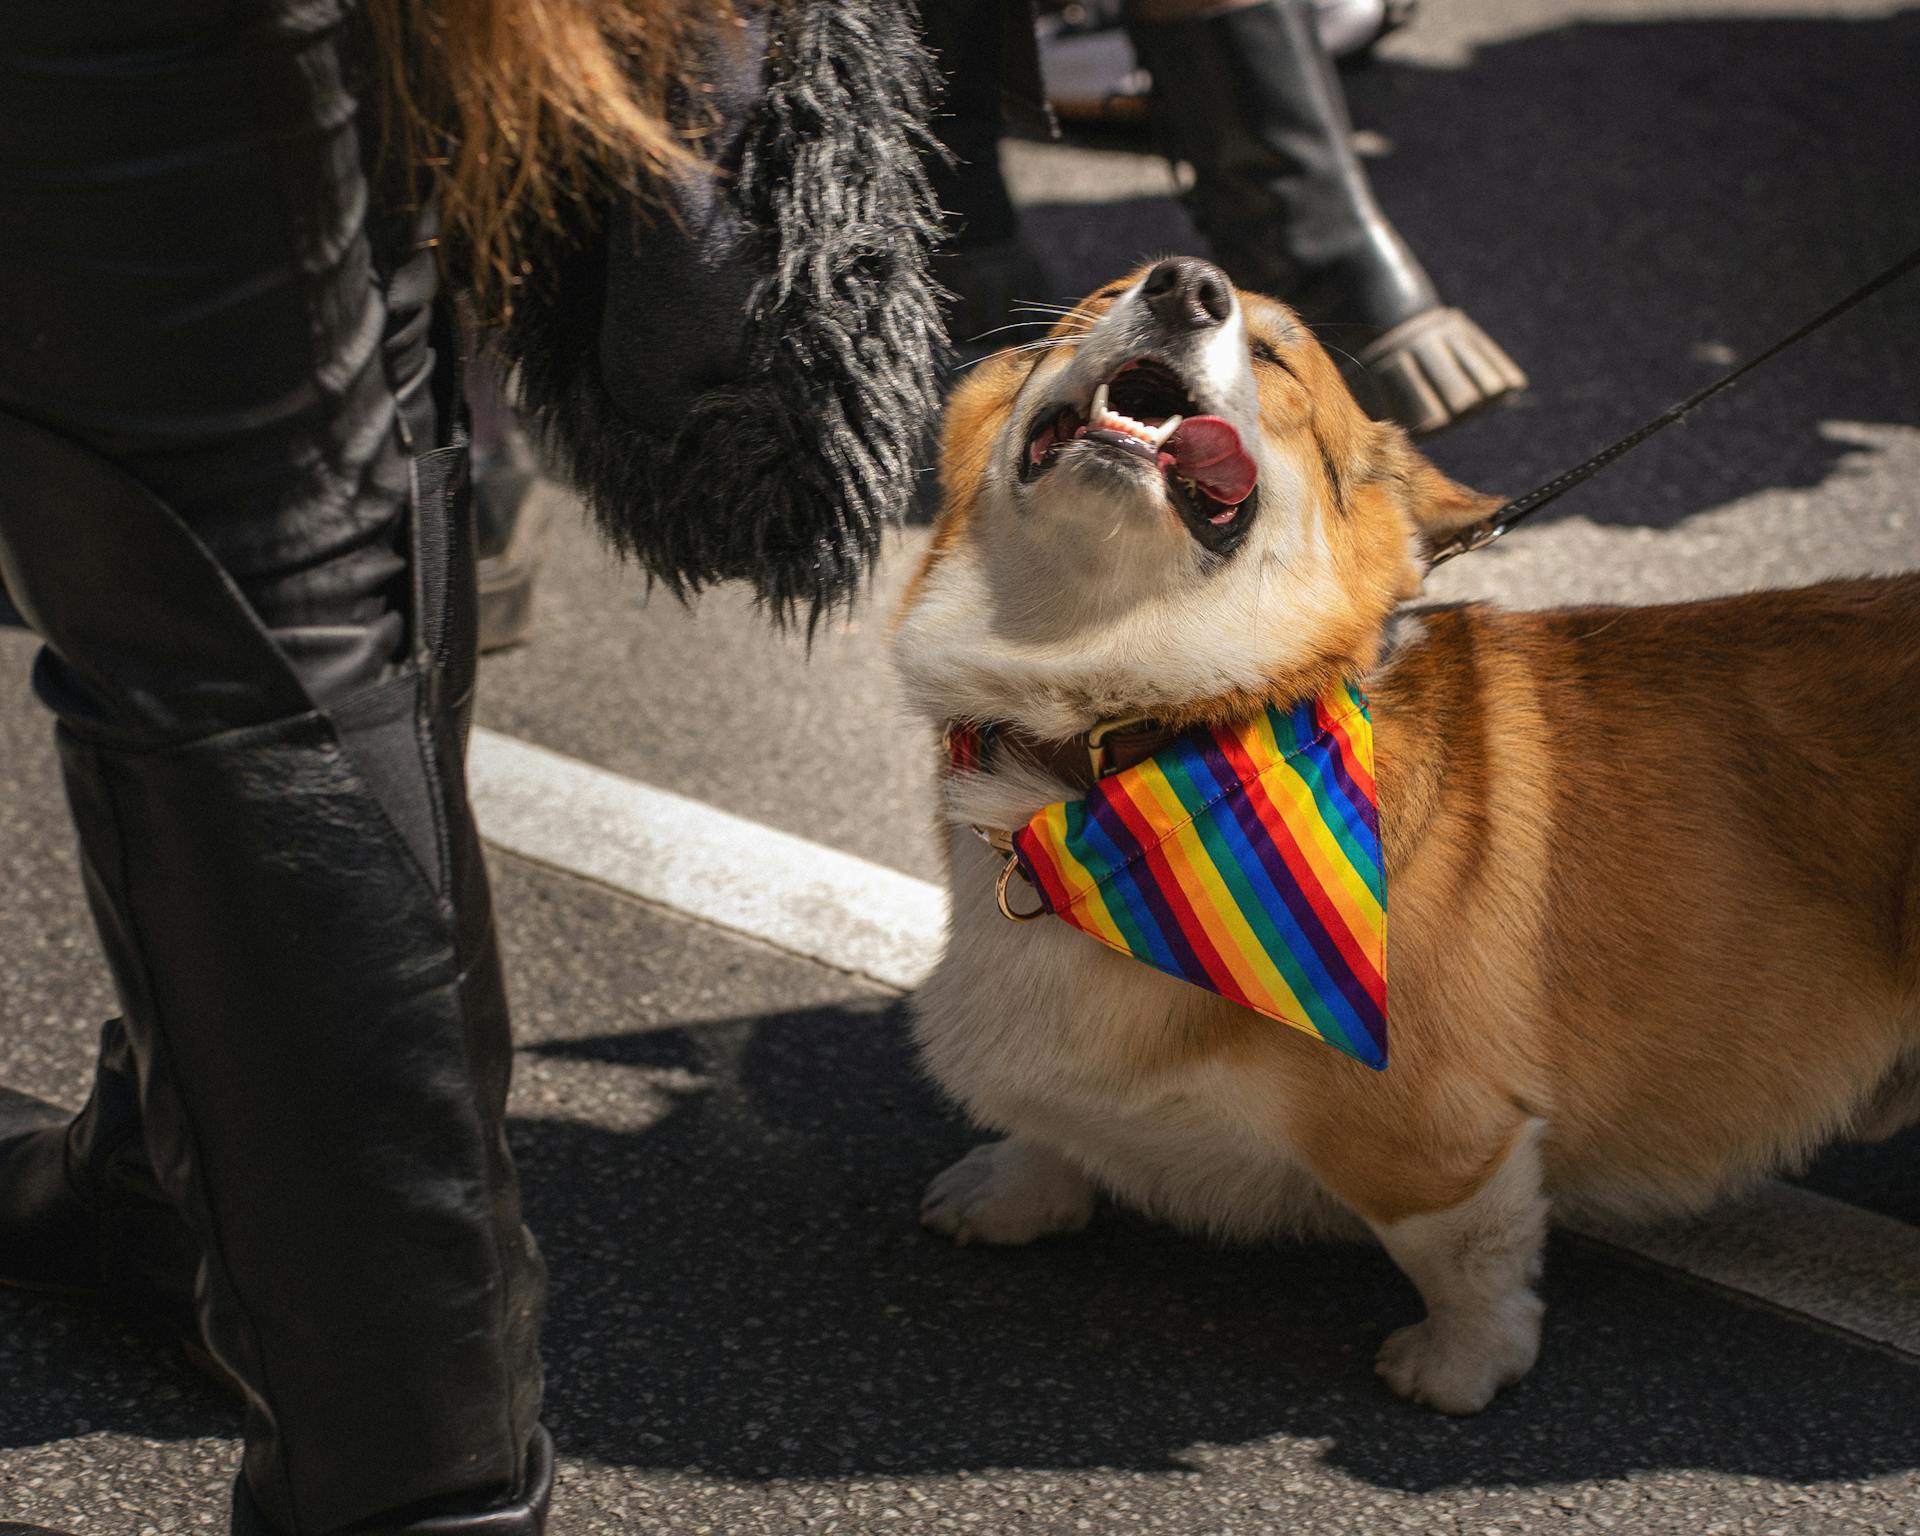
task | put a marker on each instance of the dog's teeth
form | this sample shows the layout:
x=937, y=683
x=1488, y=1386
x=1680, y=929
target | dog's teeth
x=1165, y=430
x=1102, y=415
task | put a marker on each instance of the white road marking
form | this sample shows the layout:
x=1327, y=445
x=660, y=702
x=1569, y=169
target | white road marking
x=1849, y=1268
x=680, y=853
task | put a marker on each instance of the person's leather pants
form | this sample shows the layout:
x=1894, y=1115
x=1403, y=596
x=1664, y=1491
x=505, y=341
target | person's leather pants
x=232, y=504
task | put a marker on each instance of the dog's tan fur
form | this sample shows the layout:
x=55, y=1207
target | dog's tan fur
x=1653, y=873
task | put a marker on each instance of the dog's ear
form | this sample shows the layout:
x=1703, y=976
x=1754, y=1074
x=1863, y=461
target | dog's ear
x=1437, y=506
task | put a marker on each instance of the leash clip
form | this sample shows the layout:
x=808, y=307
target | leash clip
x=1002, y=842
x=1008, y=871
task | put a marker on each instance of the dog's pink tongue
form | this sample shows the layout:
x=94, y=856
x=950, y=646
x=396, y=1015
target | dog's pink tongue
x=1207, y=451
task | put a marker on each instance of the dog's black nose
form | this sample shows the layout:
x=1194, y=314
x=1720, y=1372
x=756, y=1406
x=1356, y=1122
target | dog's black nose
x=1187, y=293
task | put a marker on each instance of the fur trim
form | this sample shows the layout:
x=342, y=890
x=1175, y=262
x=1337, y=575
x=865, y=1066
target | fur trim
x=787, y=475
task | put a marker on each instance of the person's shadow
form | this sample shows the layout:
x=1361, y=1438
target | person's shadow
x=1628, y=208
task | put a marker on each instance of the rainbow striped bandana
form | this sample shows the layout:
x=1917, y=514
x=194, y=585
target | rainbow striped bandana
x=1244, y=859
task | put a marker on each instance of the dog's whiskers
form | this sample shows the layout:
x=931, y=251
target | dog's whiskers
x=1059, y=314
x=1046, y=343
x=1012, y=325
x=1040, y=343
x=1343, y=352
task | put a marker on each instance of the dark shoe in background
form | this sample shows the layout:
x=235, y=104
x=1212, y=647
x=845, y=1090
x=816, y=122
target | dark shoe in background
x=983, y=262
x=81, y=1213
x=509, y=525
x=509, y=528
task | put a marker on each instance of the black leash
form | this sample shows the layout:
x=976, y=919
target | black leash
x=1479, y=535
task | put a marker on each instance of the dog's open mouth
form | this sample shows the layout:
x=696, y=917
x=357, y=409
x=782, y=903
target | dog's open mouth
x=1144, y=410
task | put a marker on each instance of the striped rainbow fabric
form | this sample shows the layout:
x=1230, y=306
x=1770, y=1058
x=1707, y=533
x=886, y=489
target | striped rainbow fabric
x=1245, y=859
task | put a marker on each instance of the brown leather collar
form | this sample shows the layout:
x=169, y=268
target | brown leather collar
x=1080, y=761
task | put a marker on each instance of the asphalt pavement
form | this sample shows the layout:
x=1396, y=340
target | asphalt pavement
x=723, y=1144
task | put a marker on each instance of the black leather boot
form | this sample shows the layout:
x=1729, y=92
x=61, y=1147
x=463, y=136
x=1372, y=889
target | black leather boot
x=298, y=925
x=1249, y=98
x=80, y=1210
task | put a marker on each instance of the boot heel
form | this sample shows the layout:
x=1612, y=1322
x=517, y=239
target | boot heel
x=1432, y=371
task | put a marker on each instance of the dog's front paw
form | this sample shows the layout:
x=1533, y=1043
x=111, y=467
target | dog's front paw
x=1008, y=1193
x=1457, y=1366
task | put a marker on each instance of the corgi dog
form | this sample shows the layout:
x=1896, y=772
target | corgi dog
x=1652, y=874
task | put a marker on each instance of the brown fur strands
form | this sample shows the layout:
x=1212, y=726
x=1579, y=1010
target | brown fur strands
x=523, y=107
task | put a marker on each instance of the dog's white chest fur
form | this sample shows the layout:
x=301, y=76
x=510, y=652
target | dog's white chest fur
x=1043, y=1032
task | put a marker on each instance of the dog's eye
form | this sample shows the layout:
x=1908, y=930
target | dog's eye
x=1109, y=293
x=1262, y=353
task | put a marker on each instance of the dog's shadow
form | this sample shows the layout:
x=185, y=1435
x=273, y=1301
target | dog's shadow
x=740, y=1285
x=743, y=1288
x=1628, y=207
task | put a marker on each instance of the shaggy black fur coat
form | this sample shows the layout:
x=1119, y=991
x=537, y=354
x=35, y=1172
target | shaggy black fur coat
x=740, y=385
